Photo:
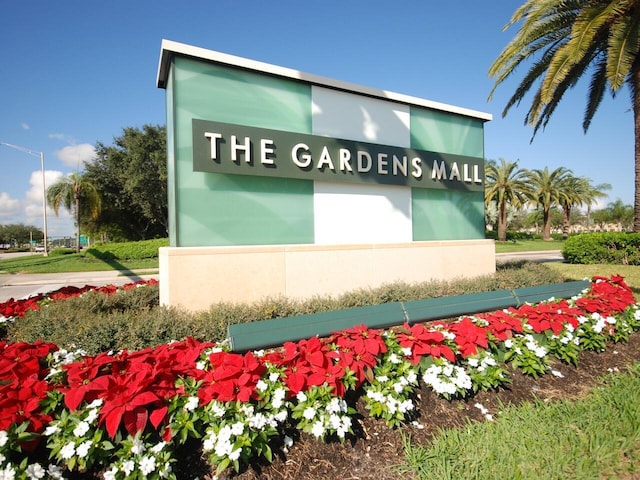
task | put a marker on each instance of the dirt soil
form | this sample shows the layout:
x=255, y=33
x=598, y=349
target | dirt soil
x=374, y=449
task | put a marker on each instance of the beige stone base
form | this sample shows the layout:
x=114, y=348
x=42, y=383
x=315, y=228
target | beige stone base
x=197, y=277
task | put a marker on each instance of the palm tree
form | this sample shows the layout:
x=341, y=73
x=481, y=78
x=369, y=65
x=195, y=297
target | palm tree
x=546, y=191
x=69, y=192
x=576, y=191
x=506, y=185
x=566, y=39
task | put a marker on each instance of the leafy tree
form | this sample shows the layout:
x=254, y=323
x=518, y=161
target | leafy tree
x=546, y=191
x=576, y=191
x=131, y=176
x=70, y=192
x=565, y=39
x=19, y=233
x=506, y=185
x=620, y=213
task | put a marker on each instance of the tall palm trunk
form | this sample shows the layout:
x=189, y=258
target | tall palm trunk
x=566, y=220
x=502, y=221
x=76, y=199
x=546, y=224
x=636, y=119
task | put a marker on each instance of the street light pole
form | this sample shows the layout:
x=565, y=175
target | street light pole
x=44, y=190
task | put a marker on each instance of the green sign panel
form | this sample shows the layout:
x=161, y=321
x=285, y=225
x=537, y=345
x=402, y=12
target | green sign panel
x=241, y=150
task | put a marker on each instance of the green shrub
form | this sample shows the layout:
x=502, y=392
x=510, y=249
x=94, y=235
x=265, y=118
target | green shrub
x=133, y=319
x=128, y=250
x=57, y=252
x=609, y=247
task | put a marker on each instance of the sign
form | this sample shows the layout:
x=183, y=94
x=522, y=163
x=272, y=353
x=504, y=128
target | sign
x=242, y=150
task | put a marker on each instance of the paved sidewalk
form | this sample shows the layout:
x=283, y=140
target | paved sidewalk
x=24, y=285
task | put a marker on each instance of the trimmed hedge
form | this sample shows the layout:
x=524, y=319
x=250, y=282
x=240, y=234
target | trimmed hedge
x=128, y=250
x=619, y=248
x=132, y=319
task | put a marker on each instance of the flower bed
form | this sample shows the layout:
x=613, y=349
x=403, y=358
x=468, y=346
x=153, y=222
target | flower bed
x=124, y=414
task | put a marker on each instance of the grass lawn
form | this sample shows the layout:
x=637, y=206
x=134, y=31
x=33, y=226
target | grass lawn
x=75, y=262
x=528, y=246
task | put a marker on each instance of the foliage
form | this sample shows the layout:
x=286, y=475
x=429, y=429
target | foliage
x=19, y=234
x=73, y=192
x=610, y=247
x=128, y=250
x=564, y=41
x=506, y=186
x=133, y=318
x=124, y=413
x=131, y=176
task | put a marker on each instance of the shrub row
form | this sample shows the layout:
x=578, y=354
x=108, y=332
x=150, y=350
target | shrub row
x=619, y=248
x=128, y=250
x=134, y=320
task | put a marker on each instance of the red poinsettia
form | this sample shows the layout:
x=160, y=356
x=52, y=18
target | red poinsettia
x=20, y=402
x=309, y=363
x=422, y=341
x=19, y=360
x=233, y=377
x=502, y=324
x=552, y=316
x=607, y=296
x=358, y=350
x=469, y=336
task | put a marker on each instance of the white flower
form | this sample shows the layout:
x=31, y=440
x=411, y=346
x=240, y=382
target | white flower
x=235, y=454
x=508, y=343
x=96, y=403
x=208, y=443
x=406, y=351
x=138, y=447
x=218, y=409
x=4, y=437
x=55, y=471
x=309, y=413
x=237, y=428
x=259, y=353
x=81, y=429
x=8, y=473
x=273, y=377
x=191, y=404
x=110, y=474
x=83, y=449
x=68, y=450
x=261, y=386
x=383, y=378
x=35, y=471
x=147, y=464
x=157, y=448
x=92, y=416
x=393, y=358
x=318, y=429
x=128, y=466
x=302, y=397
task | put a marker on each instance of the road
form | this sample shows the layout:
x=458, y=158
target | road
x=24, y=285
x=543, y=256
x=20, y=285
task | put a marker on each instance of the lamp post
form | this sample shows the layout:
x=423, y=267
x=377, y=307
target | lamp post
x=44, y=190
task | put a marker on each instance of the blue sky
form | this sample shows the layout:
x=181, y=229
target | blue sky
x=73, y=73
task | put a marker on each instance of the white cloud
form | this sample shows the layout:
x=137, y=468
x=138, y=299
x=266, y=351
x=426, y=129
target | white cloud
x=25, y=126
x=76, y=155
x=9, y=209
x=57, y=226
x=61, y=136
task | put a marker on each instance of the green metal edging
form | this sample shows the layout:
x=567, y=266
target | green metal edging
x=274, y=332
